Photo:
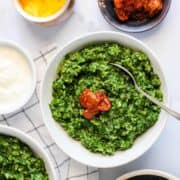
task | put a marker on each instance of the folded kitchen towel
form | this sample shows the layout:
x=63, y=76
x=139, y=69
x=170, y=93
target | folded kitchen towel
x=29, y=120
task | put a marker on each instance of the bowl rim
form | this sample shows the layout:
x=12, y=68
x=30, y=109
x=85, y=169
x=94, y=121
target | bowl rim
x=46, y=121
x=29, y=60
x=147, y=172
x=137, y=29
x=33, y=145
x=40, y=19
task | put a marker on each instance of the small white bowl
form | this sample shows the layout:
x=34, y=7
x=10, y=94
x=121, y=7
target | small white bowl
x=31, y=64
x=73, y=148
x=148, y=172
x=35, y=147
x=40, y=20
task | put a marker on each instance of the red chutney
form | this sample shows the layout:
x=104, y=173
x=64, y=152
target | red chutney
x=137, y=9
x=94, y=103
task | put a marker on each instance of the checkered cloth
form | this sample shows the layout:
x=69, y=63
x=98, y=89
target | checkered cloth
x=29, y=120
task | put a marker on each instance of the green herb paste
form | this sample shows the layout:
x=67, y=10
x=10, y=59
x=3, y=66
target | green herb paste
x=18, y=162
x=131, y=114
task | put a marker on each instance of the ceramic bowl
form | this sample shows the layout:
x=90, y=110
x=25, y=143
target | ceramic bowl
x=159, y=174
x=30, y=62
x=73, y=148
x=35, y=147
x=46, y=21
x=107, y=10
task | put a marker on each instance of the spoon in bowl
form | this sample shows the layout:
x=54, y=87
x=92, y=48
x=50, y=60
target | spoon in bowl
x=152, y=99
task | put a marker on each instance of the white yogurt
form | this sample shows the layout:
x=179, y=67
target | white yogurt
x=15, y=78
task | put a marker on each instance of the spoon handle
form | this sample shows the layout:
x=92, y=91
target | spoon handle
x=155, y=101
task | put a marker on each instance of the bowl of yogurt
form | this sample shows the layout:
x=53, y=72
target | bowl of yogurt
x=17, y=77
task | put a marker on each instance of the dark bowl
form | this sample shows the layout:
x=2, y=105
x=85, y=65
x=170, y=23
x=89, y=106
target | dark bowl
x=107, y=10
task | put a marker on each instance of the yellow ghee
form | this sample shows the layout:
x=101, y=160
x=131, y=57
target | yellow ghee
x=42, y=8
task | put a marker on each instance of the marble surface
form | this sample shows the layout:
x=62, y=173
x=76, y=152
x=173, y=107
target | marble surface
x=163, y=40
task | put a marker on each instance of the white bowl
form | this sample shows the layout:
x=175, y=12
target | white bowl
x=32, y=68
x=73, y=148
x=35, y=147
x=40, y=19
x=147, y=172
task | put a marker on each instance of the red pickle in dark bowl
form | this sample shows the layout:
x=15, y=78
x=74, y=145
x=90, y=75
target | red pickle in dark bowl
x=108, y=11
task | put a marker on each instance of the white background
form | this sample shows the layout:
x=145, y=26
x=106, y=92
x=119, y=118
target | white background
x=163, y=40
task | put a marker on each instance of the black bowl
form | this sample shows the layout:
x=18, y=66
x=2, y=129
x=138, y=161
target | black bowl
x=107, y=10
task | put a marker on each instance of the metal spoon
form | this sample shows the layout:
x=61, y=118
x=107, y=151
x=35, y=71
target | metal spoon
x=155, y=101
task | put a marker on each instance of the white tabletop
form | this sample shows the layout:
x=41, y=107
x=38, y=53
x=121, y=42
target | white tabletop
x=163, y=40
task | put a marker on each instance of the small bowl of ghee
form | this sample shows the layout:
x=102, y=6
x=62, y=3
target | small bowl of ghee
x=45, y=12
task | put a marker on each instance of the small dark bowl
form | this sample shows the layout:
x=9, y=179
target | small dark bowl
x=107, y=10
